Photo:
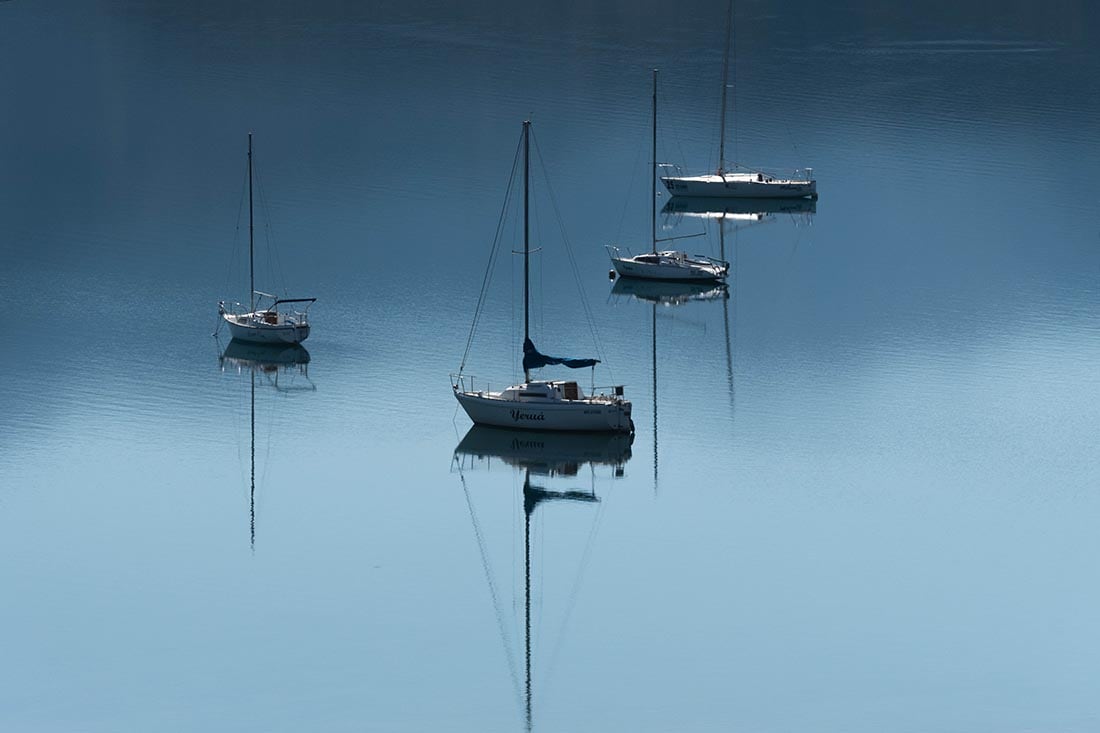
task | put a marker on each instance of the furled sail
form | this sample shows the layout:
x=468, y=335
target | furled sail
x=532, y=359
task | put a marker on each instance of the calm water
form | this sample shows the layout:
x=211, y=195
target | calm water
x=868, y=502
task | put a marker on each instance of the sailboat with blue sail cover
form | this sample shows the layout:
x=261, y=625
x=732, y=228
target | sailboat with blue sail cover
x=540, y=404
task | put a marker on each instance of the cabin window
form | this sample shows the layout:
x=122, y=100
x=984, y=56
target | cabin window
x=571, y=391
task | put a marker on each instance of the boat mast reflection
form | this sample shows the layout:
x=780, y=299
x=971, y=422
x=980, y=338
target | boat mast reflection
x=671, y=294
x=550, y=455
x=269, y=363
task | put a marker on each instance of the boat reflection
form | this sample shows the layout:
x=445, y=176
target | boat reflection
x=549, y=455
x=272, y=364
x=737, y=209
x=267, y=359
x=671, y=295
x=544, y=452
x=668, y=292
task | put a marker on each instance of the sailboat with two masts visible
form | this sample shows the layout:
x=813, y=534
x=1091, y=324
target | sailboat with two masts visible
x=734, y=180
x=270, y=323
x=669, y=264
x=540, y=404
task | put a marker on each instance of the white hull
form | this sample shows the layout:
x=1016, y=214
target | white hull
x=739, y=185
x=253, y=330
x=627, y=267
x=589, y=415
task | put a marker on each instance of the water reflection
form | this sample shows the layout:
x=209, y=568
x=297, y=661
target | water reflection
x=267, y=358
x=549, y=456
x=668, y=292
x=745, y=209
x=282, y=368
x=672, y=294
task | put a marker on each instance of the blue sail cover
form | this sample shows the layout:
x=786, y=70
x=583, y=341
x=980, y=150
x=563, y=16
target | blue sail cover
x=532, y=359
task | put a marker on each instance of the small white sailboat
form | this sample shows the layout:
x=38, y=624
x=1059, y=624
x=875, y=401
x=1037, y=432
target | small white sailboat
x=739, y=181
x=260, y=323
x=541, y=404
x=669, y=264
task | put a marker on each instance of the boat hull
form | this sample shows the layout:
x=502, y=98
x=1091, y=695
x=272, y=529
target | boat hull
x=262, y=333
x=570, y=416
x=740, y=186
x=629, y=268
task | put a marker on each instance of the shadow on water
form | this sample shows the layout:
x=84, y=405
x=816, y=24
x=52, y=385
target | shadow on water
x=272, y=365
x=548, y=456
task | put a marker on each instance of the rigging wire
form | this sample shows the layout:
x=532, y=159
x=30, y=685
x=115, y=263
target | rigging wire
x=724, y=105
x=734, y=107
x=574, y=592
x=235, y=254
x=274, y=268
x=537, y=304
x=629, y=192
x=572, y=260
x=505, y=641
x=487, y=277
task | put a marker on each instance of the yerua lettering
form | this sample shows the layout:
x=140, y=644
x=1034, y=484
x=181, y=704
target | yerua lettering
x=518, y=415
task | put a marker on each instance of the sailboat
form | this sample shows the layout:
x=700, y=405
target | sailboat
x=541, y=404
x=670, y=295
x=670, y=264
x=264, y=324
x=549, y=455
x=740, y=181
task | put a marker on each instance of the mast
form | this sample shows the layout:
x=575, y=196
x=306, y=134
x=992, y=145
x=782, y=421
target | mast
x=654, y=398
x=526, y=245
x=726, y=309
x=725, y=84
x=252, y=483
x=527, y=510
x=653, y=176
x=722, y=237
x=251, y=244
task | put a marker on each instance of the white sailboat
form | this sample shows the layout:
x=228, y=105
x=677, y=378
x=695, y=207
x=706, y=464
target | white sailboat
x=739, y=181
x=270, y=323
x=669, y=264
x=541, y=404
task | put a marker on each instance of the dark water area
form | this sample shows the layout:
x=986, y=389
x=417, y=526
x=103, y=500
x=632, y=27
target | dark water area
x=862, y=494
